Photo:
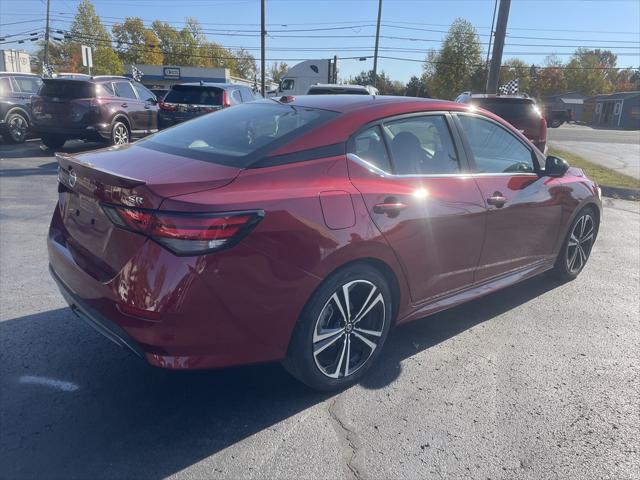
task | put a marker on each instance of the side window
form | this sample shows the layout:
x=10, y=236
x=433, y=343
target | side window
x=28, y=84
x=287, y=84
x=422, y=146
x=494, y=149
x=124, y=90
x=369, y=145
x=236, y=96
x=105, y=90
x=247, y=95
x=5, y=86
x=144, y=94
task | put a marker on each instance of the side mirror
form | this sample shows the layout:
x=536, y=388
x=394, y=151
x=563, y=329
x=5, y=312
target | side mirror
x=153, y=101
x=555, y=166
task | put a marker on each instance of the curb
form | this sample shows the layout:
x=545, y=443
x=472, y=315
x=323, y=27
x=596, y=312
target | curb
x=621, y=193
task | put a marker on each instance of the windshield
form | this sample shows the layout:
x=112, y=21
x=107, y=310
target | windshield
x=194, y=95
x=239, y=135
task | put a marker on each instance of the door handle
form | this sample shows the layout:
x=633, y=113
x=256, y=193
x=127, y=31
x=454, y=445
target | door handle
x=497, y=200
x=124, y=105
x=147, y=107
x=390, y=208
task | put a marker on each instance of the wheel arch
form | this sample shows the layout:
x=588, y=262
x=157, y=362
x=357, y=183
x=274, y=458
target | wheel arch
x=122, y=117
x=21, y=111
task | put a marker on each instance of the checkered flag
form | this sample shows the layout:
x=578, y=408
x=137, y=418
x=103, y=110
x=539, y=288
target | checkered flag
x=509, y=88
x=136, y=74
x=47, y=70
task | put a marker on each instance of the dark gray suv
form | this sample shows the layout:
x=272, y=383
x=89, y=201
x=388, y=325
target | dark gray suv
x=16, y=90
x=185, y=101
x=110, y=109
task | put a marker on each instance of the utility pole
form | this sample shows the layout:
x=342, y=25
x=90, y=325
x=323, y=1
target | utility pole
x=491, y=33
x=498, y=46
x=375, y=54
x=334, y=77
x=263, y=34
x=46, y=36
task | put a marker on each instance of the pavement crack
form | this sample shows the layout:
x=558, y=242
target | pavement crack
x=348, y=439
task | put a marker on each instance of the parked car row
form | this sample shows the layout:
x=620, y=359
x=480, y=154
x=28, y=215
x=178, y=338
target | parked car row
x=109, y=109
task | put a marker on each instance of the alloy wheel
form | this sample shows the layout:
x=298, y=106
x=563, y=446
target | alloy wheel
x=120, y=134
x=18, y=128
x=348, y=329
x=580, y=242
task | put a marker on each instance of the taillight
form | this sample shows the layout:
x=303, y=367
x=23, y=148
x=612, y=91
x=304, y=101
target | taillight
x=169, y=107
x=187, y=233
x=225, y=99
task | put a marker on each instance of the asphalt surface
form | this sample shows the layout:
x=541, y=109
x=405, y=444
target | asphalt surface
x=616, y=149
x=538, y=381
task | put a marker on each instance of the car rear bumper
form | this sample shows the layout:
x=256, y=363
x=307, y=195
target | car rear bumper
x=102, y=324
x=230, y=308
x=90, y=131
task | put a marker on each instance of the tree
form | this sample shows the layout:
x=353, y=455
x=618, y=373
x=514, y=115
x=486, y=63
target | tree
x=551, y=78
x=384, y=84
x=590, y=71
x=451, y=70
x=627, y=80
x=245, y=65
x=135, y=43
x=86, y=29
x=416, y=88
x=277, y=71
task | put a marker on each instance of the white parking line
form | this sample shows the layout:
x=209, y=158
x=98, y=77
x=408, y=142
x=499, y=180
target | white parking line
x=49, y=382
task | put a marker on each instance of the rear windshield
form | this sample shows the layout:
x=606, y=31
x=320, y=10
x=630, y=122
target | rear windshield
x=507, y=108
x=337, y=91
x=194, y=95
x=68, y=89
x=240, y=135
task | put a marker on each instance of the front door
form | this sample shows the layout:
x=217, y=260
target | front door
x=133, y=107
x=409, y=172
x=523, y=210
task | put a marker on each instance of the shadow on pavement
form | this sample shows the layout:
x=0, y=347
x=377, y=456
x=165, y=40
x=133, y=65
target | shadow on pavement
x=33, y=148
x=75, y=406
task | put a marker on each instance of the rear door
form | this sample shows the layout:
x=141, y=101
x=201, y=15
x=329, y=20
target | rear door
x=523, y=209
x=411, y=174
x=132, y=106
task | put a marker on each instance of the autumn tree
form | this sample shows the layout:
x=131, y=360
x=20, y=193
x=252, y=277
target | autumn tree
x=551, y=78
x=590, y=71
x=86, y=29
x=135, y=43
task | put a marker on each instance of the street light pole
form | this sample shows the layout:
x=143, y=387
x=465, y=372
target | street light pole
x=263, y=34
x=498, y=45
x=375, y=54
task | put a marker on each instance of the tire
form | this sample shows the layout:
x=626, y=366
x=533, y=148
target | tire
x=17, y=128
x=52, y=141
x=577, y=246
x=332, y=347
x=120, y=133
x=555, y=123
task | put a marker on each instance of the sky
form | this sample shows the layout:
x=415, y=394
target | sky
x=310, y=29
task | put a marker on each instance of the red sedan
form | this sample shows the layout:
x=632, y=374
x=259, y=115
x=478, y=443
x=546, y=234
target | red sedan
x=302, y=229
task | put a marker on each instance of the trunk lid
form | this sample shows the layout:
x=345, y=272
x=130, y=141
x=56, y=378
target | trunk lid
x=65, y=102
x=126, y=176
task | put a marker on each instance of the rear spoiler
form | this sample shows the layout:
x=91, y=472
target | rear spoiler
x=68, y=163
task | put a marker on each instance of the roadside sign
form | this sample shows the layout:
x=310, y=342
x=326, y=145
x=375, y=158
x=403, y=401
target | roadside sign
x=87, y=58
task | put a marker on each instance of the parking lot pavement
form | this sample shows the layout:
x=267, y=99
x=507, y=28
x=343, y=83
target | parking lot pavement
x=616, y=149
x=540, y=380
